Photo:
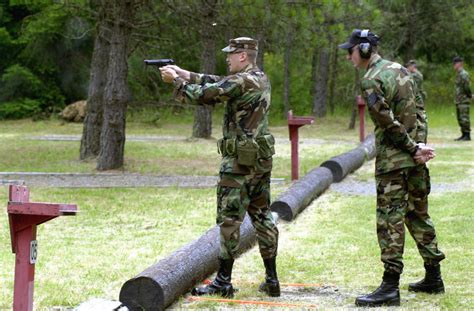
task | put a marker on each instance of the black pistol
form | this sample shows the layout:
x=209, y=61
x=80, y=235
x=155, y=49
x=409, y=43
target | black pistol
x=159, y=62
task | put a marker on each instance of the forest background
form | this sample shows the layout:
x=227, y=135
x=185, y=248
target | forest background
x=57, y=52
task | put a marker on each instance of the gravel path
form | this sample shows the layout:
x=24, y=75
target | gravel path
x=109, y=180
x=352, y=186
x=151, y=138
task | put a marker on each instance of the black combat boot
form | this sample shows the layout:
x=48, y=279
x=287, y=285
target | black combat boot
x=221, y=284
x=271, y=286
x=466, y=136
x=460, y=137
x=388, y=293
x=432, y=283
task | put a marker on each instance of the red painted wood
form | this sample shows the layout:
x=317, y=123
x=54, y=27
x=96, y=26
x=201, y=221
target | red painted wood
x=294, y=123
x=24, y=217
x=24, y=271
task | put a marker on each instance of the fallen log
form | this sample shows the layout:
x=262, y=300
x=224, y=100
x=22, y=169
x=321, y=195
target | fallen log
x=348, y=162
x=302, y=192
x=162, y=283
x=369, y=145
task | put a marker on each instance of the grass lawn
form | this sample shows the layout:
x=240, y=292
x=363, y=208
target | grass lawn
x=121, y=231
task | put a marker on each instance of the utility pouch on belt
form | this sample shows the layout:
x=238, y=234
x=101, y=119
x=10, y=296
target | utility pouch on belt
x=266, y=145
x=226, y=147
x=247, y=152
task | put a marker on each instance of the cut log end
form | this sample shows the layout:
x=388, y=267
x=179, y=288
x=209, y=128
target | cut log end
x=142, y=293
x=283, y=210
x=335, y=168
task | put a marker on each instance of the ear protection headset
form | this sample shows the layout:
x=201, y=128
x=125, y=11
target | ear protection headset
x=365, y=48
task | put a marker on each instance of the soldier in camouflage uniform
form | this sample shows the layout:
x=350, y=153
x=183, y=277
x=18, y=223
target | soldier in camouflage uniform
x=420, y=96
x=463, y=98
x=247, y=148
x=402, y=179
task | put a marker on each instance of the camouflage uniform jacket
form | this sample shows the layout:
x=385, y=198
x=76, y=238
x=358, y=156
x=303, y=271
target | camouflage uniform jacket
x=463, y=88
x=388, y=90
x=420, y=96
x=418, y=79
x=246, y=95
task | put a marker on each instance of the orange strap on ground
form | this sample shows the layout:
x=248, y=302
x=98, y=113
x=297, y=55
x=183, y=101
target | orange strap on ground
x=253, y=302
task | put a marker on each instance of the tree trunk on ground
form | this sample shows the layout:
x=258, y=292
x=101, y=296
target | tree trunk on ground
x=321, y=84
x=90, y=142
x=202, y=127
x=354, y=103
x=162, y=283
x=332, y=82
x=112, y=139
x=301, y=193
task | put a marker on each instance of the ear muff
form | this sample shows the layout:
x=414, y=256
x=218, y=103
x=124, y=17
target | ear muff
x=365, y=48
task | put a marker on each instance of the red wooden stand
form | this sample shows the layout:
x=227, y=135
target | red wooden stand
x=294, y=123
x=24, y=216
x=361, y=105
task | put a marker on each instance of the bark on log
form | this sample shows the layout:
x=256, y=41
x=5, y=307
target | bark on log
x=161, y=284
x=350, y=161
x=301, y=193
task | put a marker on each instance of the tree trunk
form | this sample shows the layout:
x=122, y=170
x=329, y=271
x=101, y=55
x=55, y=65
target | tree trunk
x=411, y=31
x=261, y=49
x=332, y=82
x=301, y=193
x=90, y=142
x=112, y=138
x=286, y=71
x=321, y=83
x=350, y=161
x=354, y=103
x=202, y=127
x=161, y=284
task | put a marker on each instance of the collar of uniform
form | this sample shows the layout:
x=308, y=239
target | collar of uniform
x=249, y=67
x=374, y=59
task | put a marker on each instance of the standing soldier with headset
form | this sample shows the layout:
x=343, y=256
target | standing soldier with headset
x=402, y=179
x=463, y=98
x=246, y=148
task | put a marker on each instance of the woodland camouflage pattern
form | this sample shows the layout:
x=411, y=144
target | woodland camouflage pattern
x=402, y=198
x=389, y=92
x=241, y=187
x=402, y=186
x=421, y=116
x=463, y=97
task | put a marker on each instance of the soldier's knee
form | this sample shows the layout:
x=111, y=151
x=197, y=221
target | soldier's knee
x=229, y=227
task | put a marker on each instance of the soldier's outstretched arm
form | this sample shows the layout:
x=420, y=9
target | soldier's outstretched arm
x=208, y=93
x=380, y=111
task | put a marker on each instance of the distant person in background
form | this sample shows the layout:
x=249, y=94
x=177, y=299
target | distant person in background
x=402, y=178
x=463, y=98
x=420, y=97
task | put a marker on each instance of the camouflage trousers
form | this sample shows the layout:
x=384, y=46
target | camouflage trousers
x=422, y=126
x=237, y=194
x=462, y=112
x=402, y=200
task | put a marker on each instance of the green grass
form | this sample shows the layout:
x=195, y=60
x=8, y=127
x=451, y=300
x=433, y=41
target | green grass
x=120, y=232
x=19, y=150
